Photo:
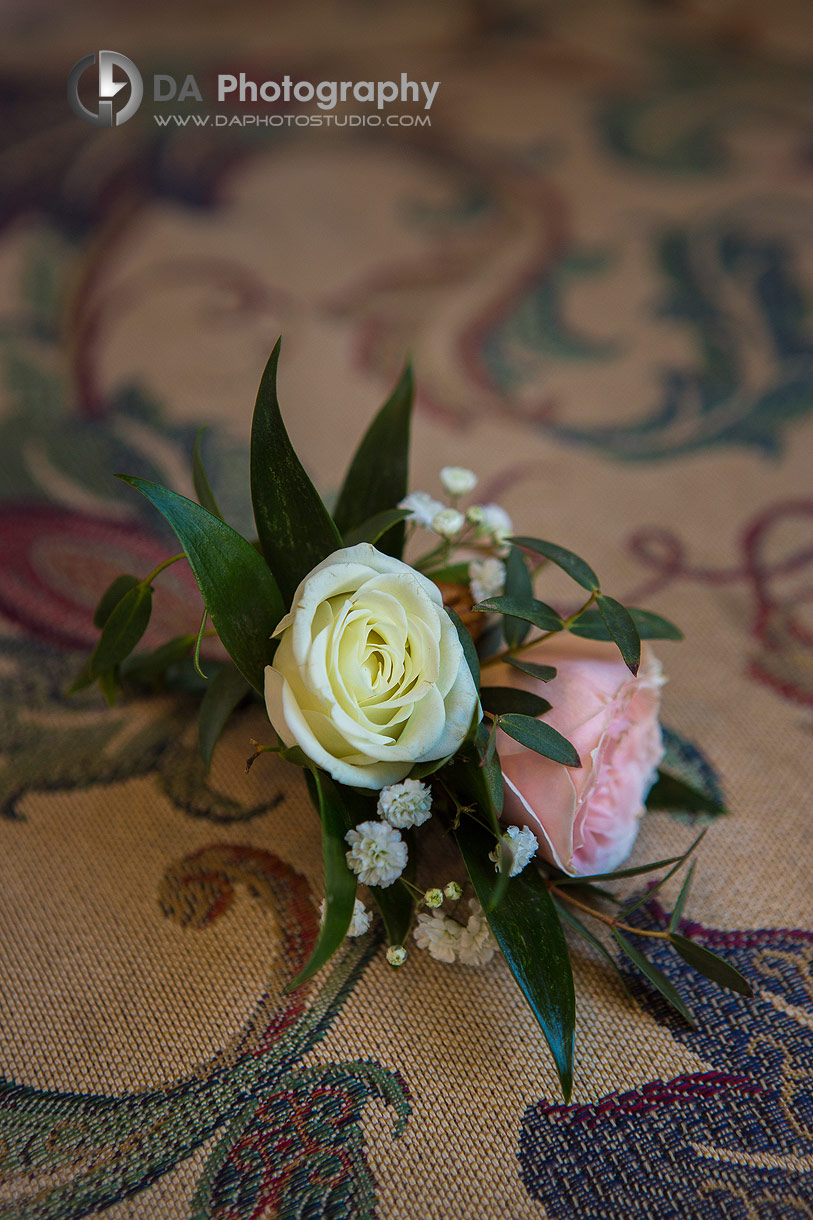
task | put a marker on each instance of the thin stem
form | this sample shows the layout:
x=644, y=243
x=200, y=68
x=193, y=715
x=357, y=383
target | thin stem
x=566, y=896
x=156, y=571
x=538, y=639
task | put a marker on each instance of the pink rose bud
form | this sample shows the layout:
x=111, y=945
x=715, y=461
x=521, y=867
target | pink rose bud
x=586, y=820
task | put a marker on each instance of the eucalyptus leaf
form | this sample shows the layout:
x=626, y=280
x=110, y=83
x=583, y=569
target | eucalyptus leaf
x=518, y=584
x=669, y=792
x=111, y=598
x=656, y=977
x=500, y=699
x=295, y=529
x=340, y=882
x=203, y=490
x=590, y=625
x=530, y=936
x=710, y=965
x=240, y=594
x=378, y=474
x=526, y=608
x=541, y=737
x=83, y=679
x=123, y=629
x=374, y=527
x=544, y=673
x=680, y=903
x=652, y=891
x=107, y=685
x=223, y=693
x=575, y=567
x=619, y=623
x=150, y=666
x=635, y=870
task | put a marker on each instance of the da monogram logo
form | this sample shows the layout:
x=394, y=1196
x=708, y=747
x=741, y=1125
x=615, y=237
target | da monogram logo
x=108, y=88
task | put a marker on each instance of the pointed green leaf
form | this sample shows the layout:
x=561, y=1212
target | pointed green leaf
x=541, y=738
x=107, y=685
x=294, y=527
x=340, y=882
x=518, y=584
x=619, y=623
x=396, y=905
x=453, y=574
x=576, y=924
x=375, y=527
x=575, y=567
x=526, y=608
x=545, y=673
x=222, y=695
x=149, y=666
x=710, y=965
x=241, y=595
x=590, y=626
x=378, y=474
x=670, y=792
x=83, y=679
x=530, y=936
x=635, y=870
x=203, y=490
x=677, y=910
x=124, y=628
x=467, y=644
x=656, y=977
x=501, y=699
x=111, y=598
x=652, y=891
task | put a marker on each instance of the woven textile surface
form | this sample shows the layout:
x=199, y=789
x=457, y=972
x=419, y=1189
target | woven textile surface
x=599, y=255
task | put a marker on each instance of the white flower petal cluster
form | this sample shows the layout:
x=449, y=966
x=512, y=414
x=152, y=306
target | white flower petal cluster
x=406, y=804
x=422, y=507
x=457, y=480
x=495, y=522
x=523, y=845
x=477, y=943
x=448, y=522
x=360, y=921
x=377, y=855
x=439, y=934
x=369, y=676
x=486, y=578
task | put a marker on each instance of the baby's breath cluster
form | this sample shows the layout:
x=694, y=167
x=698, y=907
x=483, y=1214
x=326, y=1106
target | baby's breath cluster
x=446, y=940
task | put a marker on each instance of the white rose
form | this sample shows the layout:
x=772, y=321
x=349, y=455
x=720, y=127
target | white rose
x=369, y=676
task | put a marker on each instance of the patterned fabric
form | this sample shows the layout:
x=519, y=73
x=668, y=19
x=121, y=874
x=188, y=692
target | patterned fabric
x=598, y=255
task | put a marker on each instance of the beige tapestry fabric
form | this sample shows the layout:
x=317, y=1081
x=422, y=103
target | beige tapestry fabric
x=597, y=251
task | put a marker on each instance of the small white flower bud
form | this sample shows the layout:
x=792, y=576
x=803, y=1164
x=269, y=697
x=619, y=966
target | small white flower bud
x=396, y=955
x=448, y=522
x=433, y=898
x=474, y=514
x=453, y=891
x=457, y=480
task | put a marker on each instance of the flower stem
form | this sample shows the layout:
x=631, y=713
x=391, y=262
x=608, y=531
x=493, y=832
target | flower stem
x=156, y=571
x=538, y=639
x=565, y=896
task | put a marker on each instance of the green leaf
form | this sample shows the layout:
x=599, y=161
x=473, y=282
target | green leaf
x=198, y=643
x=576, y=924
x=652, y=891
x=111, y=598
x=107, y=685
x=619, y=623
x=669, y=792
x=83, y=679
x=677, y=910
x=396, y=903
x=453, y=574
x=540, y=737
x=518, y=584
x=203, y=490
x=479, y=783
x=575, y=567
x=635, y=870
x=530, y=936
x=710, y=965
x=422, y=770
x=374, y=527
x=527, y=608
x=378, y=474
x=241, y=595
x=123, y=629
x=467, y=644
x=500, y=699
x=590, y=626
x=222, y=695
x=149, y=666
x=656, y=977
x=544, y=673
x=340, y=882
x=294, y=527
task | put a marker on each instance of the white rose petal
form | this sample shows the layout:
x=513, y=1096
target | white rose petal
x=439, y=934
x=360, y=921
x=378, y=854
x=448, y=522
x=486, y=578
x=477, y=943
x=523, y=845
x=422, y=507
x=369, y=675
x=406, y=804
x=457, y=480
